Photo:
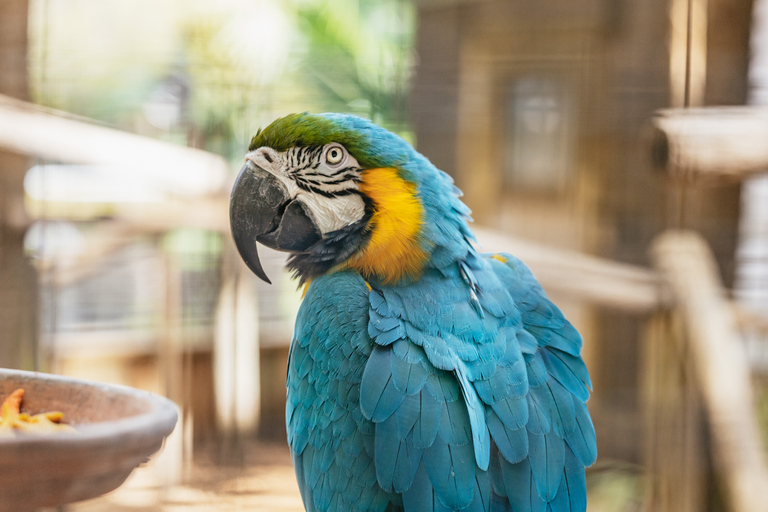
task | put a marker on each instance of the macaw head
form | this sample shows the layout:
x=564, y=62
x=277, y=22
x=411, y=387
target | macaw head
x=336, y=191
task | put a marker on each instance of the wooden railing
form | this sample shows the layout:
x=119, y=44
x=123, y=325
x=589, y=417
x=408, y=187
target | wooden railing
x=594, y=280
x=696, y=368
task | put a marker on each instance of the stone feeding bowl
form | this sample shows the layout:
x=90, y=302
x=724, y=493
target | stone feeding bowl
x=117, y=428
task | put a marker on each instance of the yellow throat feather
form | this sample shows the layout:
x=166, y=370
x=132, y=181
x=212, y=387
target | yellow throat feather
x=394, y=250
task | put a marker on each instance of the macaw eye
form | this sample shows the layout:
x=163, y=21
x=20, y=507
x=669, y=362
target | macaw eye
x=334, y=155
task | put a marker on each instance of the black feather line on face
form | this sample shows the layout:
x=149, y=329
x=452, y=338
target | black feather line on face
x=334, y=248
x=348, y=171
x=304, y=185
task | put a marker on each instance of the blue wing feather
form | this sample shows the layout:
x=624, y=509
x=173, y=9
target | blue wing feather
x=528, y=344
x=389, y=337
x=451, y=469
x=408, y=460
x=572, y=374
x=408, y=414
x=538, y=416
x=563, y=413
x=561, y=434
x=512, y=411
x=537, y=371
x=378, y=396
x=559, y=340
x=512, y=444
x=379, y=303
x=482, y=498
x=582, y=441
x=454, y=427
x=547, y=456
x=408, y=377
x=480, y=438
x=571, y=496
x=396, y=458
x=506, y=382
x=443, y=387
x=421, y=496
x=427, y=424
x=520, y=487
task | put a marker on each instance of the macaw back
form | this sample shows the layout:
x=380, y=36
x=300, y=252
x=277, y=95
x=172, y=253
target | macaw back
x=460, y=391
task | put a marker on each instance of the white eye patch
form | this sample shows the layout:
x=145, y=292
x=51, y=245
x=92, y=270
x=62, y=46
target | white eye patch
x=333, y=213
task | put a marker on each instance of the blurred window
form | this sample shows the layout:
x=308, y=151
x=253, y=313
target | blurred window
x=538, y=149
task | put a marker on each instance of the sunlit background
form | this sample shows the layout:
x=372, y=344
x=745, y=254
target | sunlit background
x=124, y=122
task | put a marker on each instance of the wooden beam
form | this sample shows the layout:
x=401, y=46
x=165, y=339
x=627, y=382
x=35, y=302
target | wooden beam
x=750, y=319
x=596, y=280
x=711, y=144
x=719, y=365
x=47, y=134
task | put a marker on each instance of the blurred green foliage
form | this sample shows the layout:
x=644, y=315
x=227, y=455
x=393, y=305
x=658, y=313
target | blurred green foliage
x=359, y=57
x=614, y=486
x=209, y=74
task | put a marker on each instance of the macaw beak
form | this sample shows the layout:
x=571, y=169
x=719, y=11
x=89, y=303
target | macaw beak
x=261, y=209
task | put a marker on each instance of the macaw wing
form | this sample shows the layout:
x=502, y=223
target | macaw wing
x=447, y=377
x=561, y=437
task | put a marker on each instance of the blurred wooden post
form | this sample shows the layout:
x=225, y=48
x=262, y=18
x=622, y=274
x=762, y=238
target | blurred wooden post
x=170, y=360
x=715, y=357
x=18, y=279
x=676, y=468
x=237, y=378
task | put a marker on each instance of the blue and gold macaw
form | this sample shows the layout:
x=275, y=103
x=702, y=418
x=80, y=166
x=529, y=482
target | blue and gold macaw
x=422, y=375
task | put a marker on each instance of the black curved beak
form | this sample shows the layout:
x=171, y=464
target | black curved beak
x=261, y=209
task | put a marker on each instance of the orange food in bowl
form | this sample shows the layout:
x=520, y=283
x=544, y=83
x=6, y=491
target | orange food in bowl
x=13, y=421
